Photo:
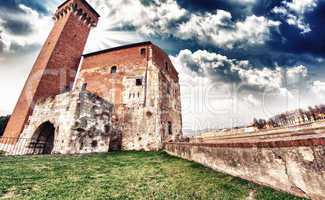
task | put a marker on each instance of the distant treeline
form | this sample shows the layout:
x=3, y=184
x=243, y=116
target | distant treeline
x=3, y=123
x=292, y=118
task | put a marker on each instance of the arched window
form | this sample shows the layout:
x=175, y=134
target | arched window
x=113, y=70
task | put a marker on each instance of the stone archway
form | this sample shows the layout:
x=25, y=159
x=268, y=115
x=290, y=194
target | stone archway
x=43, y=138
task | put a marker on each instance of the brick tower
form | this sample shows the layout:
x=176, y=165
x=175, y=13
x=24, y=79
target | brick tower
x=55, y=68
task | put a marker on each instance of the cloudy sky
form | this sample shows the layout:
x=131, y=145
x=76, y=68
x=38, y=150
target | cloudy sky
x=237, y=59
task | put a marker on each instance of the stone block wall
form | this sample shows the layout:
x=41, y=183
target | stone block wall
x=82, y=122
x=297, y=167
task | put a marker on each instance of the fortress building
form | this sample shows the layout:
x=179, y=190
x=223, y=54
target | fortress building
x=126, y=97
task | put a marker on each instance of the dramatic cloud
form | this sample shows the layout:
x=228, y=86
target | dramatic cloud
x=219, y=29
x=158, y=17
x=249, y=68
x=219, y=68
x=168, y=19
x=295, y=11
x=233, y=92
x=22, y=30
x=319, y=88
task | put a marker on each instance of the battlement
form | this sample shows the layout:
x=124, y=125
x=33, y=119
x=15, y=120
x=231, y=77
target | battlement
x=80, y=8
x=139, y=80
x=55, y=68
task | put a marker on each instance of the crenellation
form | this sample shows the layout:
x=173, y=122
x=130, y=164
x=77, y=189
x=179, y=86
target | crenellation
x=123, y=98
x=77, y=8
x=55, y=68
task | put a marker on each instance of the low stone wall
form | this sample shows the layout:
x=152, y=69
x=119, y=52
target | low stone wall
x=297, y=167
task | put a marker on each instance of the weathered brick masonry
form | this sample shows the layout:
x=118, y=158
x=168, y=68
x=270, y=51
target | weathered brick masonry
x=138, y=80
x=143, y=85
x=55, y=68
x=129, y=97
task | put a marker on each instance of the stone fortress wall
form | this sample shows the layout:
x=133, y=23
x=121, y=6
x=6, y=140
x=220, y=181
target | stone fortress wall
x=56, y=66
x=139, y=96
x=129, y=98
x=291, y=161
x=141, y=82
x=138, y=80
x=82, y=123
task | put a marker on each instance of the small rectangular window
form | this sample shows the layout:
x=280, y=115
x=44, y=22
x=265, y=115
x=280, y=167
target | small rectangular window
x=168, y=88
x=67, y=88
x=84, y=86
x=113, y=69
x=143, y=51
x=170, y=128
x=138, y=81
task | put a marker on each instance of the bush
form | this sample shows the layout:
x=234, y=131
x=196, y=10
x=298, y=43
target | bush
x=3, y=123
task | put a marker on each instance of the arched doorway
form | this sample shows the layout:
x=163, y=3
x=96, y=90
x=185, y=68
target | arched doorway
x=43, y=138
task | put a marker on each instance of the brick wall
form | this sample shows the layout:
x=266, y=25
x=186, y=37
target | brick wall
x=142, y=110
x=55, y=68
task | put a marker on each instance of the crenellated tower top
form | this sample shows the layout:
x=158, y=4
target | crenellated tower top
x=80, y=8
x=55, y=68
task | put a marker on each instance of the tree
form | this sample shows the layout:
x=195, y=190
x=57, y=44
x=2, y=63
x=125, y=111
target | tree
x=255, y=123
x=271, y=123
x=260, y=124
x=3, y=123
x=311, y=115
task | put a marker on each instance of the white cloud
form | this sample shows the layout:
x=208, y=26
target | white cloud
x=152, y=19
x=251, y=99
x=208, y=27
x=167, y=18
x=220, y=68
x=301, y=6
x=14, y=72
x=319, y=88
x=295, y=11
x=218, y=91
x=297, y=75
x=262, y=79
x=40, y=26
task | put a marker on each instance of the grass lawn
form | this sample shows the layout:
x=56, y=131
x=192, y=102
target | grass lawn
x=121, y=175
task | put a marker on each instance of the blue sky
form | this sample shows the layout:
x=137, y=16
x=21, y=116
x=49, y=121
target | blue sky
x=237, y=59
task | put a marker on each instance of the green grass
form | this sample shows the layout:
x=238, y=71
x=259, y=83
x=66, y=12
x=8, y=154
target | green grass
x=123, y=176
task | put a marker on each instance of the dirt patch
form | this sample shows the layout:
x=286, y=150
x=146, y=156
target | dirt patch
x=8, y=195
x=252, y=195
